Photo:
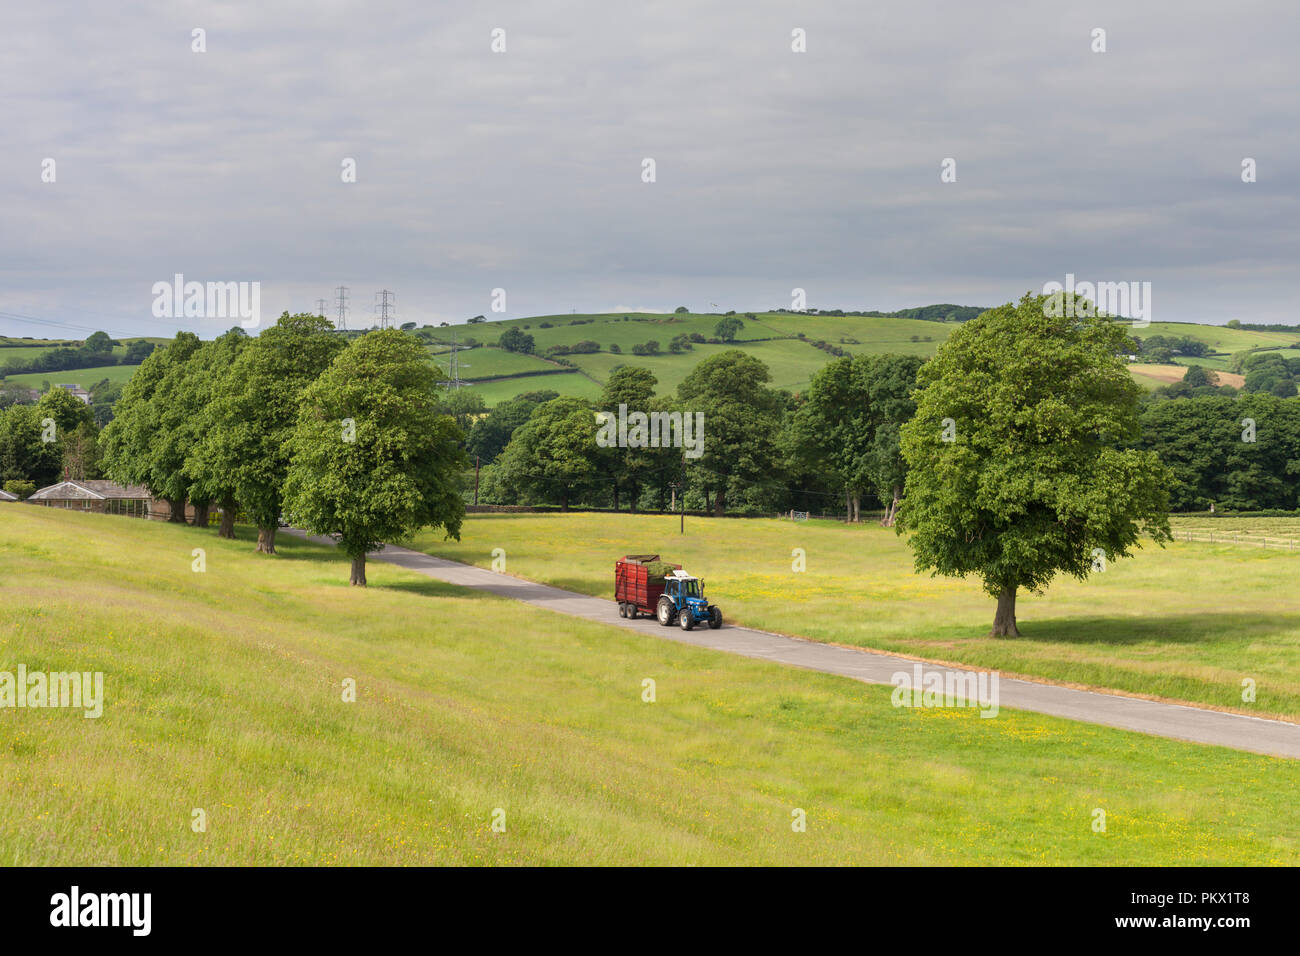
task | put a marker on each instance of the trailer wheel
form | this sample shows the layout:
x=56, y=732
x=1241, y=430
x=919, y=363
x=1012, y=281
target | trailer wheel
x=665, y=611
x=622, y=609
x=631, y=611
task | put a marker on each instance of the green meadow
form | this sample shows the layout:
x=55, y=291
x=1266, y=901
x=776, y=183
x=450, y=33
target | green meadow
x=224, y=693
x=1189, y=621
x=85, y=377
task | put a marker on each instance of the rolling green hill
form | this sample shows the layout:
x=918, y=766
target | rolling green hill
x=773, y=337
x=785, y=341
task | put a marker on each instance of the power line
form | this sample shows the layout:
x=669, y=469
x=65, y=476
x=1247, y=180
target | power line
x=46, y=323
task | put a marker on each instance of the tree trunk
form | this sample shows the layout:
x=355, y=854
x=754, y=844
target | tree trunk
x=266, y=540
x=848, y=506
x=857, y=508
x=177, y=508
x=891, y=511
x=720, y=503
x=615, y=496
x=201, y=514
x=1004, y=621
x=227, y=529
x=358, y=578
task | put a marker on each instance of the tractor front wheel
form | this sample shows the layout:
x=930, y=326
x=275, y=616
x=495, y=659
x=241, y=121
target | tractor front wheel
x=687, y=619
x=715, y=619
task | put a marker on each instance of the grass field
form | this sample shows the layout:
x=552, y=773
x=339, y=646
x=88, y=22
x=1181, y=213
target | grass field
x=85, y=377
x=569, y=383
x=1186, y=622
x=484, y=362
x=1154, y=376
x=1218, y=337
x=223, y=693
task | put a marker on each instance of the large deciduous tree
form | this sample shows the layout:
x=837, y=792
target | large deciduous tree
x=490, y=433
x=373, y=458
x=552, y=456
x=188, y=419
x=741, y=419
x=891, y=381
x=626, y=468
x=25, y=454
x=255, y=411
x=849, y=425
x=138, y=448
x=1018, y=465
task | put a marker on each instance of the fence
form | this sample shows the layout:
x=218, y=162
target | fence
x=1236, y=537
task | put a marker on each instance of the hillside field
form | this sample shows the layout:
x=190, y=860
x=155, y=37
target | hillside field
x=1185, y=622
x=770, y=336
x=1154, y=376
x=85, y=377
x=223, y=693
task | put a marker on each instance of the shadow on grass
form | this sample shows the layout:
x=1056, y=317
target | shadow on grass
x=1209, y=628
x=433, y=588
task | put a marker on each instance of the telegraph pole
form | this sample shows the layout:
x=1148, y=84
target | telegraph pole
x=343, y=307
x=683, y=495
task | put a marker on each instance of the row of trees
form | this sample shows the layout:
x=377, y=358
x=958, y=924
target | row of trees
x=347, y=438
x=1236, y=453
x=1270, y=372
x=763, y=449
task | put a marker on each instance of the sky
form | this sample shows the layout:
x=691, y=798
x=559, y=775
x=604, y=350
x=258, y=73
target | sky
x=524, y=169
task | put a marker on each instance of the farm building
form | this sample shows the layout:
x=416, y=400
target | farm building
x=6, y=496
x=77, y=391
x=103, y=496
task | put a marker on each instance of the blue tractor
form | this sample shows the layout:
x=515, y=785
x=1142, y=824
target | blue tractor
x=683, y=600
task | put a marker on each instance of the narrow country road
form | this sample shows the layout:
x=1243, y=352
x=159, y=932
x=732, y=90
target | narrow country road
x=1259, y=735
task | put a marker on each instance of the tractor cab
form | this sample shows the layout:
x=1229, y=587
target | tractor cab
x=684, y=587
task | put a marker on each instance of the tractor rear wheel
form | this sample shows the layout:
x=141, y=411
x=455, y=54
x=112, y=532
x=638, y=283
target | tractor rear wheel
x=665, y=611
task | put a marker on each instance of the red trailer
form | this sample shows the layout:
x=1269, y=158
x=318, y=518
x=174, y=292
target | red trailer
x=635, y=590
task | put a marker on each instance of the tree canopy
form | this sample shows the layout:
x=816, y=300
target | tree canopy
x=1018, y=464
x=373, y=459
x=741, y=418
x=255, y=410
